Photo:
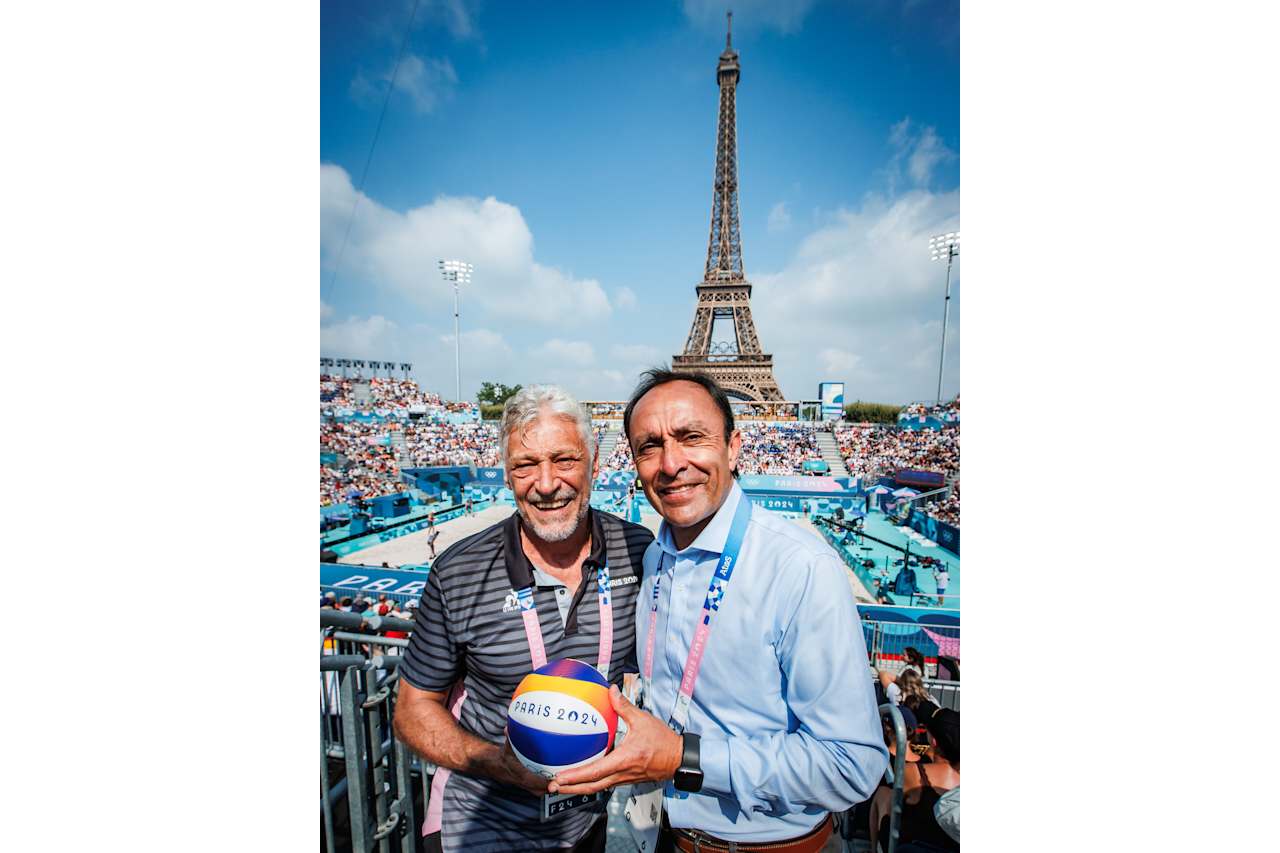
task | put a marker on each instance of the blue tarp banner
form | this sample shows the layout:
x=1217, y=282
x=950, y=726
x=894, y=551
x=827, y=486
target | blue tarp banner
x=772, y=483
x=371, y=579
x=777, y=503
x=939, y=531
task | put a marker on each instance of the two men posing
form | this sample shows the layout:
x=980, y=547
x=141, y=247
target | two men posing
x=756, y=720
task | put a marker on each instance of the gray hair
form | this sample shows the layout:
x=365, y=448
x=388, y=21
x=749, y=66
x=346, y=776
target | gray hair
x=528, y=403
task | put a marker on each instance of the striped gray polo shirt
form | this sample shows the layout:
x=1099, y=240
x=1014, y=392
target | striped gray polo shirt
x=468, y=626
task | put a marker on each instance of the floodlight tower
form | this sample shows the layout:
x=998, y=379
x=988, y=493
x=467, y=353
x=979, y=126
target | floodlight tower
x=456, y=273
x=944, y=246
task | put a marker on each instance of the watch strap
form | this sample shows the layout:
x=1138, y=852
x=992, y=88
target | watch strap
x=689, y=775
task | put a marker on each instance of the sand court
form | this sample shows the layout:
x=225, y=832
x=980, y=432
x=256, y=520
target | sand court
x=412, y=549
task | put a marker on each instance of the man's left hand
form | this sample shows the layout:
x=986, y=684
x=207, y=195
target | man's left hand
x=650, y=752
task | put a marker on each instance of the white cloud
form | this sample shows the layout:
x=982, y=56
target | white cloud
x=485, y=339
x=388, y=19
x=457, y=18
x=861, y=302
x=426, y=82
x=929, y=152
x=785, y=16
x=779, y=217
x=917, y=152
x=572, y=365
x=326, y=311
x=399, y=251
x=371, y=337
x=636, y=353
x=633, y=359
x=574, y=353
x=624, y=298
x=838, y=361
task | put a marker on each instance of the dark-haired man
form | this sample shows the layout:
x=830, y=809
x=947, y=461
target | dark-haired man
x=758, y=719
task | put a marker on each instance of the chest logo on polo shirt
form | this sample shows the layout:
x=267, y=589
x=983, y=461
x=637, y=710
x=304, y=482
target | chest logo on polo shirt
x=511, y=603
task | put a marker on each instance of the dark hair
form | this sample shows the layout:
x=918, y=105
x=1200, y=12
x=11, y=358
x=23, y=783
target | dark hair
x=914, y=658
x=944, y=725
x=655, y=376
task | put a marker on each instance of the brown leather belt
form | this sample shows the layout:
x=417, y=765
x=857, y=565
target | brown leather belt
x=693, y=841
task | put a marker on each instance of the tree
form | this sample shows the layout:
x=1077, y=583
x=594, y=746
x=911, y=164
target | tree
x=495, y=393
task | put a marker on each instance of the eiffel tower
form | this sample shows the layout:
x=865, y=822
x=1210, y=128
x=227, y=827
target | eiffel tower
x=724, y=296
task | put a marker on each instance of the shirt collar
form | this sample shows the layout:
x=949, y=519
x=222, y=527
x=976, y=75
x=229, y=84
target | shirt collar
x=520, y=570
x=715, y=534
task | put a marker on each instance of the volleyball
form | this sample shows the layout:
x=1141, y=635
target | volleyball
x=560, y=716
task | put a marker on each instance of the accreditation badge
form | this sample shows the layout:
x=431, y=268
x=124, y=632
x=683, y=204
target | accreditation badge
x=643, y=811
x=557, y=805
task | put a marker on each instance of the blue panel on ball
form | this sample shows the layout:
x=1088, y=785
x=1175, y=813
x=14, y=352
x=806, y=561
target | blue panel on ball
x=551, y=748
x=570, y=668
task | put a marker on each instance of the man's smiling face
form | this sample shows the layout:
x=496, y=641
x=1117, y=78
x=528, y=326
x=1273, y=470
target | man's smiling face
x=682, y=455
x=549, y=470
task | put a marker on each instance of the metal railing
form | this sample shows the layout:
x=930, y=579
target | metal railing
x=893, y=777
x=358, y=676
x=365, y=766
x=355, y=592
x=891, y=639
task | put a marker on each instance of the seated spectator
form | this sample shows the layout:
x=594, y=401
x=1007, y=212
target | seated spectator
x=913, y=692
x=923, y=784
x=892, y=691
x=909, y=725
x=915, y=661
x=860, y=815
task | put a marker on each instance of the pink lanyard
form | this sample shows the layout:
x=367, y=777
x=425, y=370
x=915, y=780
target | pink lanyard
x=533, y=630
x=715, y=593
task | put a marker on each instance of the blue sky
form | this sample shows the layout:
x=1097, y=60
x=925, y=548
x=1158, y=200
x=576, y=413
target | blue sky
x=567, y=150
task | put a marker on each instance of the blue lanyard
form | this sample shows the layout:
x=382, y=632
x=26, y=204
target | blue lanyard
x=710, y=606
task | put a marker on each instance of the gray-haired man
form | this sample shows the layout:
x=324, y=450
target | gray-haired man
x=471, y=647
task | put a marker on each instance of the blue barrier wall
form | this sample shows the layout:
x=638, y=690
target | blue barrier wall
x=397, y=582
x=777, y=503
x=939, y=531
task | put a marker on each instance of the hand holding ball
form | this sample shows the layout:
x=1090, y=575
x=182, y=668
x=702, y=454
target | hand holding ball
x=560, y=716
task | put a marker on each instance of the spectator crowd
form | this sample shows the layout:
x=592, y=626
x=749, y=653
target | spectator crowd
x=946, y=412
x=777, y=448
x=872, y=451
x=368, y=455
x=371, y=454
x=386, y=396
x=930, y=816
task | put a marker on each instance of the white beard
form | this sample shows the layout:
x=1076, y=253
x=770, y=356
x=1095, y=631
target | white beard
x=555, y=532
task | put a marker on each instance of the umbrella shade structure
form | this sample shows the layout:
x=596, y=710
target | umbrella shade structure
x=905, y=492
x=878, y=490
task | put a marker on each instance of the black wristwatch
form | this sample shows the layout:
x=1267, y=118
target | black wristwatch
x=689, y=773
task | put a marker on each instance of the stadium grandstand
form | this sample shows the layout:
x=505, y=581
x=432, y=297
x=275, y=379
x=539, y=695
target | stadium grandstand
x=404, y=474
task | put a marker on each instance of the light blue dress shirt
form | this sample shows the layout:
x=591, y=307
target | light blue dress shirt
x=783, y=704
